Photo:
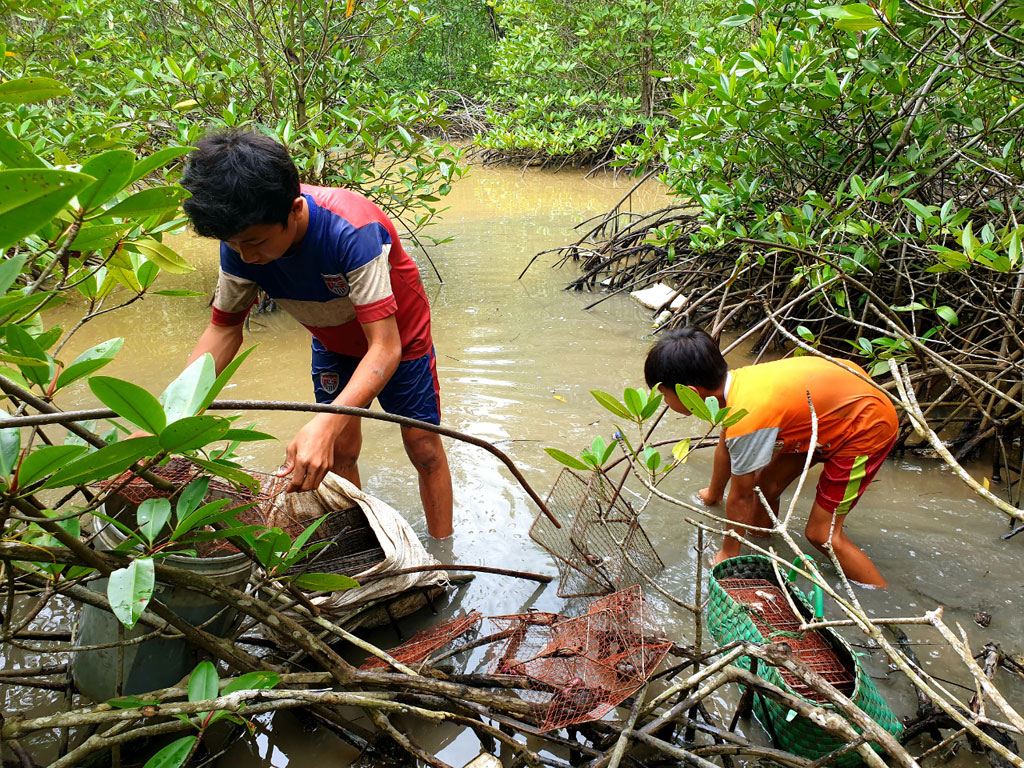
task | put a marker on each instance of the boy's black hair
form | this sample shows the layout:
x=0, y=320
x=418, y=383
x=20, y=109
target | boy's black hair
x=238, y=179
x=686, y=356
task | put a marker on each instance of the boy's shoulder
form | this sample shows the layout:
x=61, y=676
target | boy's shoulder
x=351, y=206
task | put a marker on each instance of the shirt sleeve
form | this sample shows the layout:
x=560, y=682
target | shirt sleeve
x=752, y=451
x=369, y=277
x=235, y=294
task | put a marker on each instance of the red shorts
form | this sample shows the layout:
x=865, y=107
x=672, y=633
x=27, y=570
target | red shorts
x=844, y=479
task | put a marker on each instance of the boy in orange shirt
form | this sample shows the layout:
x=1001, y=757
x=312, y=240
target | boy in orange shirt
x=768, y=447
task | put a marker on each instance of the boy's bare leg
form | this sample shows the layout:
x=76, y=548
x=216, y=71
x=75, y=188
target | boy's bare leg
x=856, y=565
x=427, y=454
x=773, y=481
x=346, y=452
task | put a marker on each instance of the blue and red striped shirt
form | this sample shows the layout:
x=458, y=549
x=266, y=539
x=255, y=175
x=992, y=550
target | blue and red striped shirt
x=350, y=268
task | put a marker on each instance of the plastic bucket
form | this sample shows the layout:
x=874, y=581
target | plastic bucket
x=159, y=662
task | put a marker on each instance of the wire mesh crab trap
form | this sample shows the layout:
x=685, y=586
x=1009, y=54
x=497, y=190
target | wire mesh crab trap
x=601, y=547
x=420, y=646
x=579, y=669
x=746, y=602
x=352, y=545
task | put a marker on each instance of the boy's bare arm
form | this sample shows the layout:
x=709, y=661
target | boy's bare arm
x=221, y=341
x=310, y=455
x=739, y=508
x=720, y=472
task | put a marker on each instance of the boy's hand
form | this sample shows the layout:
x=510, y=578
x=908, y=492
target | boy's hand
x=310, y=454
x=707, y=498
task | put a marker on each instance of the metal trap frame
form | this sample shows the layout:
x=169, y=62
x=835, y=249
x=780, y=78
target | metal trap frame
x=579, y=669
x=601, y=546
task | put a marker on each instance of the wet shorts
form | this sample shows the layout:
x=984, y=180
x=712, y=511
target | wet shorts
x=412, y=391
x=845, y=478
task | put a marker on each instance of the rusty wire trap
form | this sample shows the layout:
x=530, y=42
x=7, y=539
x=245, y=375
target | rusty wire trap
x=179, y=472
x=420, y=646
x=351, y=544
x=601, y=547
x=579, y=669
x=771, y=613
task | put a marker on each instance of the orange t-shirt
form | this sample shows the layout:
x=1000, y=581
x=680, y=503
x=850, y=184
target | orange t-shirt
x=854, y=418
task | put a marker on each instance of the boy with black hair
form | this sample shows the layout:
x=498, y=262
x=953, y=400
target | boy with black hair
x=334, y=261
x=768, y=447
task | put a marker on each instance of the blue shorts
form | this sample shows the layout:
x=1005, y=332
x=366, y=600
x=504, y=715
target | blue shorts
x=412, y=391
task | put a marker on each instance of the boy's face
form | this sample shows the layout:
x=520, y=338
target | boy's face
x=264, y=243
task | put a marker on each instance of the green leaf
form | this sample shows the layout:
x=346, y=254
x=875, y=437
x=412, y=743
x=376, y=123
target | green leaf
x=28, y=90
x=173, y=755
x=152, y=516
x=247, y=436
x=15, y=154
x=10, y=447
x=147, y=203
x=948, y=315
x=176, y=292
x=204, y=515
x=191, y=497
x=681, y=450
x=302, y=538
x=129, y=590
x=230, y=473
x=324, y=582
x=857, y=17
x=109, y=461
x=203, y=683
x=193, y=432
x=225, y=376
x=254, y=681
x=29, y=199
x=734, y=418
x=610, y=403
x=635, y=402
x=112, y=170
x=89, y=361
x=98, y=237
x=164, y=257
x=10, y=270
x=570, y=461
x=918, y=209
x=653, y=403
x=131, y=402
x=712, y=404
x=185, y=395
x=693, y=403
x=158, y=159
x=46, y=460
x=131, y=702
x=39, y=365
x=652, y=458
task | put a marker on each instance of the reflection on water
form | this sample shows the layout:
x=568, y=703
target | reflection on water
x=517, y=359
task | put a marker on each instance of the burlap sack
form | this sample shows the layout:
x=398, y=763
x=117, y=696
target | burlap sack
x=401, y=547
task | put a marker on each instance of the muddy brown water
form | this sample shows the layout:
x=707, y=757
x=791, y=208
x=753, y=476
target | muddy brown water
x=516, y=360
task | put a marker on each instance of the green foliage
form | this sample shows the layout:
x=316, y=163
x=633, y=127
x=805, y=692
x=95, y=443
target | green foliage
x=453, y=51
x=573, y=79
x=639, y=408
x=302, y=70
x=802, y=126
